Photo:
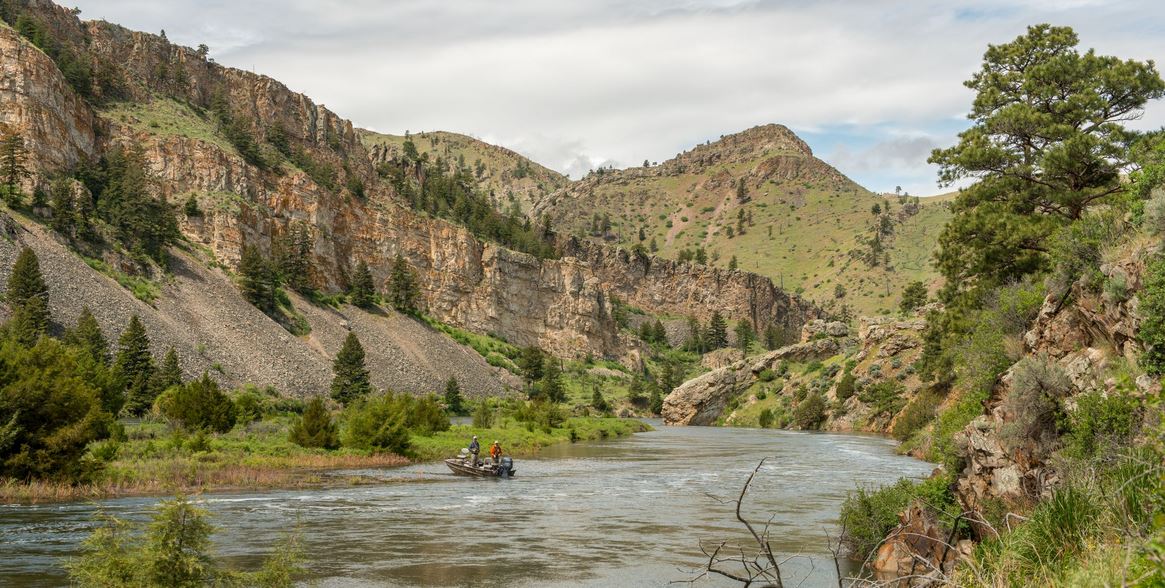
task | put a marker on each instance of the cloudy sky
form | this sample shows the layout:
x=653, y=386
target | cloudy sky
x=872, y=85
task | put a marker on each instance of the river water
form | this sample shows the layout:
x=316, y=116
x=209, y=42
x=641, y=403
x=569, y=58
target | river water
x=623, y=512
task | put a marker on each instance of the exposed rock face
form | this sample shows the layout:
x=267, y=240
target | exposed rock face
x=1076, y=338
x=701, y=400
x=40, y=105
x=918, y=548
x=562, y=305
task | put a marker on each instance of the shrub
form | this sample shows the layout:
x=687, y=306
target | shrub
x=376, y=424
x=1154, y=215
x=315, y=428
x=869, y=515
x=1038, y=386
x=766, y=375
x=1152, y=331
x=198, y=405
x=916, y=415
x=766, y=418
x=1101, y=422
x=483, y=416
x=845, y=386
x=810, y=412
x=883, y=397
x=250, y=405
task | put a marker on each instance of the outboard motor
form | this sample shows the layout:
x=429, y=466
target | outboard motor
x=505, y=467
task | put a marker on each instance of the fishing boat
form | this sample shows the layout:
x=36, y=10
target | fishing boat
x=463, y=465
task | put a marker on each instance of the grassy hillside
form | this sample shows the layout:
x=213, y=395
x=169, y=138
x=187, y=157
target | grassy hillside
x=806, y=226
x=510, y=178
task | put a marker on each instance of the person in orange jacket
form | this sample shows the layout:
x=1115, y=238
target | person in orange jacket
x=495, y=452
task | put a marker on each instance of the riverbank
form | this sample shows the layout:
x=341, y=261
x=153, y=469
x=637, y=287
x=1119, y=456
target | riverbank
x=154, y=460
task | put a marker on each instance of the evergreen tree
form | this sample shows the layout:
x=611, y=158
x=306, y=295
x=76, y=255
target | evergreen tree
x=660, y=333
x=363, y=291
x=453, y=400
x=89, y=337
x=134, y=367
x=143, y=222
x=64, y=208
x=656, y=402
x=1046, y=145
x=695, y=342
x=27, y=297
x=732, y=263
x=350, y=381
x=170, y=374
x=293, y=257
x=316, y=427
x=745, y=335
x=597, y=401
x=199, y=405
x=13, y=167
x=913, y=296
x=552, y=388
x=774, y=337
x=701, y=256
x=257, y=281
x=403, y=288
x=716, y=337
x=531, y=362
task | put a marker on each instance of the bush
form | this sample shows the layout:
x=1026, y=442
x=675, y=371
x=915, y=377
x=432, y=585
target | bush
x=883, y=398
x=198, y=405
x=766, y=418
x=869, y=515
x=916, y=415
x=315, y=428
x=1038, y=387
x=1154, y=215
x=1152, y=331
x=250, y=405
x=543, y=415
x=766, y=375
x=845, y=386
x=483, y=416
x=377, y=424
x=810, y=412
x=1101, y=422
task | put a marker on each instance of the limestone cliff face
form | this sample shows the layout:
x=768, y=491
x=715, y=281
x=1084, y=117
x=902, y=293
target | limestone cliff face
x=38, y=104
x=562, y=305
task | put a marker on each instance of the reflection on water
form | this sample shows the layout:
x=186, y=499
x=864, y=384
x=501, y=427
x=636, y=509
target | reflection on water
x=627, y=512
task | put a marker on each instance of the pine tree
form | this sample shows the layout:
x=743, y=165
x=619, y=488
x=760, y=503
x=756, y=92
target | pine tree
x=403, y=288
x=363, y=291
x=453, y=400
x=695, y=342
x=701, y=256
x=350, y=381
x=316, y=428
x=293, y=257
x=716, y=337
x=88, y=336
x=745, y=335
x=257, y=281
x=552, y=388
x=597, y=401
x=64, y=208
x=660, y=333
x=135, y=368
x=171, y=372
x=732, y=264
x=531, y=362
x=13, y=167
x=913, y=296
x=27, y=297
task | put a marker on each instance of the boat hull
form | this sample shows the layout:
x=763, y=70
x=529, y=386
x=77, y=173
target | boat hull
x=466, y=468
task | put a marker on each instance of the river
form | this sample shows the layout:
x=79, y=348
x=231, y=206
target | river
x=623, y=512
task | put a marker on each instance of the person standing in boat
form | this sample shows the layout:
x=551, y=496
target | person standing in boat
x=495, y=452
x=474, y=448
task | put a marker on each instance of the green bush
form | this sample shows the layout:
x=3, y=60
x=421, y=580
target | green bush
x=845, y=386
x=1152, y=331
x=1038, y=387
x=316, y=428
x=884, y=397
x=810, y=412
x=541, y=415
x=1101, y=422
x=197, y=405
x=916, y=415
x=766, y=375
x=377, y=424
x=483, y=416
x=869, y=515
x=765, y=420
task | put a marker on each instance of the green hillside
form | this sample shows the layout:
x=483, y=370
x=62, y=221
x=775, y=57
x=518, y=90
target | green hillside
x=508, y=177
x=805, y=225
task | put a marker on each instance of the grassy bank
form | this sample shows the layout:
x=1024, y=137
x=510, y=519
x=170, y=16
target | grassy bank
x=155, y=460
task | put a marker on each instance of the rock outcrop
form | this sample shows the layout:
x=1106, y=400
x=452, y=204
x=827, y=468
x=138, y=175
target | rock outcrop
x=1082, y=340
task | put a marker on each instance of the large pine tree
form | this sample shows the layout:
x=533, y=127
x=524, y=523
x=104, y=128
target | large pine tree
x=88, y=336
x=170, y=373
x=363, y=291
x=716, y=337
x=350, y=381
x=27, y=297
x=403, y=289
x=257, y=281
x=135, y=368
x=453, y=400
x=13, y=167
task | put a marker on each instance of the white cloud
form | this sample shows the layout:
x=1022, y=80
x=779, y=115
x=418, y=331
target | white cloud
x=576, y=83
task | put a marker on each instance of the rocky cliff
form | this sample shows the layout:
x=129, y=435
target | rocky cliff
x=560, y=304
